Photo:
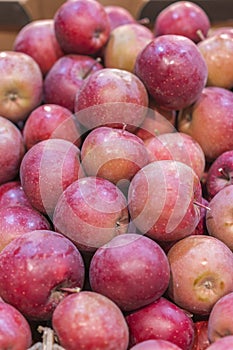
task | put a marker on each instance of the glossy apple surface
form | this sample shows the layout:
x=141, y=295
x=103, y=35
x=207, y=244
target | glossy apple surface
x=51, y=121
x=162, y=199
x=200, y=275
x=165, y=64
x=34, y=268
x=38, y=40
x=97, y=323
x=201, y=340
x=66, y=77
x=12, y=193
x=155, y=344
x=183, y=18
x=90, y=212
x=81, y=26
x=144, y=279
x=112, y=97
x=21, y=85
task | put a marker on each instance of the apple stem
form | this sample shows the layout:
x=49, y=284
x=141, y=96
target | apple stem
x=200, y=34
x=70, y=290
x=144, y=21
x=48, y=340
x=124, y=127
x=224, y=173
x=201, y=205
x=97, y=60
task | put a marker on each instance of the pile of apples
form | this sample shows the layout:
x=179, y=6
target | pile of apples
x=116, y=195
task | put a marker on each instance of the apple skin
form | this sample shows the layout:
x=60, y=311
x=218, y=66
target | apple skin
x=21, y=85
x=168, y=63
x=111, y=97
x=14, y=328
x=144, y=280
x=219, y=218
x=217, y=51
x=12, y=150
x=214, y=110
x=118, y=16
x=34, y=269
x=38, y=40
x=155, y=344
x=51, y=121
x=113, y=154
x=220, y=173
x=177, y=146
x=200, y=275
x=124, y=44
x=220, y=318
x=220, y=30
x=97, y=323
x=161, y=319
x=12, y=193
x=183, y=18
x=17, y=220
x=201, y=340
x=81, y=26
x=161, y=200
x=90, y=212
x=46, y=170
x=225, y=343
x=66, y=77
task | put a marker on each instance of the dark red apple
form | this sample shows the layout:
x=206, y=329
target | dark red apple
x=14, y=328
x=66, y=77
x=17, y=220
x=90, y=212
x=38, y=40
x=132, y=270
x=201, y=270
x=113, y=154
x=155, y=344
x=220, y=173
x=21, y=85
x=213, y=109
x=201, y=340
x=162, y=198
x=118, y=15
x=34, y=269
x=12, y=150
x=12, y=193
x=183, y=18
x=51, y=121
x=111, y=97
x=81, y=26
x=47, y=169
x=164, y=320
x=97, y=323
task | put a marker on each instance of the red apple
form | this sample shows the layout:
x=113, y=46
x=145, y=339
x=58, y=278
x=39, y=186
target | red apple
x=12, y=193
x=111, y=97
x=12, y=150
x=164, y=320
x=46, y=170
x=183, y=18
x=118, y=15
x=220, y=173
x=225, y=343
x=34, y=269
x=201, y=269
x=14, y=328
x=177, y=146
x=81, y=26
x=66, y=77
x=217, y=51
x=136, y=271
x=97, y=323
x=38, y=40
x=213, y=109
x=124, y=44
x=113, y=154
x=90, y=212
x=51, y=121
x=219, y=219
x=21, y=85
x=173, y=70
x=220, y=318
x=162, y=198
x=17, y=220
x=201, y=340
x=155, y=344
